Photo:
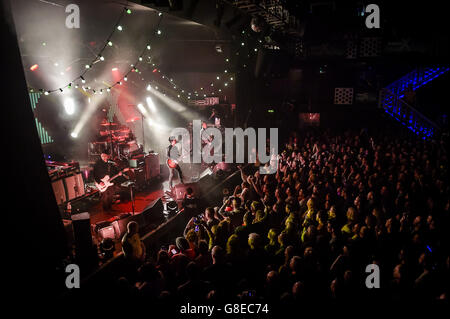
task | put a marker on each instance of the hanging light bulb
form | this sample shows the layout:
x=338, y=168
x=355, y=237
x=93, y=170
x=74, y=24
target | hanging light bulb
x=119, y=27
x=102, y=58
x=148, y=47
x=110, y=43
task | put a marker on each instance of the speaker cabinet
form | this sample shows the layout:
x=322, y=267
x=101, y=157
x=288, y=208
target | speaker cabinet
x=81, y=224
x=59, y=191
x=153, y=213
x=180, y=190
x=152, y=168
x=74, y=186
x=107, y=232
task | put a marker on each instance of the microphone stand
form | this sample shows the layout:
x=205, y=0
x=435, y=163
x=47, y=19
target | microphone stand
x=143, y=132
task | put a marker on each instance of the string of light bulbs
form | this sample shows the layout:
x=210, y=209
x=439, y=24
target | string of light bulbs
x=99, y=57
x=228, y=76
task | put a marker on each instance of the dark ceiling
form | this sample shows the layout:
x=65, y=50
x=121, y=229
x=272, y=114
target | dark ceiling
x=178, y=49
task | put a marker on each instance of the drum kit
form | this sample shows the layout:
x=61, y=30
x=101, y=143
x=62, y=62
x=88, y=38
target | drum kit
x=116, y=138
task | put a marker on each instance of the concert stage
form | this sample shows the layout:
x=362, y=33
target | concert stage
x=149, y=205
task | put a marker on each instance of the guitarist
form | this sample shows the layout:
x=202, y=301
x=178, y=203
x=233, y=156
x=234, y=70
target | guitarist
x=102, y=168
x=173, y=154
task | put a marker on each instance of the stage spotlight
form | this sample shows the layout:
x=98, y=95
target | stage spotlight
x=150, y=104
x=142, y=109
x=74, y=134
x=34, y=67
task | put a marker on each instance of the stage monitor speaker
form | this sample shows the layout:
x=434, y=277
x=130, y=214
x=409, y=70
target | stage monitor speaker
x=59, y=191
x=74, y=186
x=152, y=168
x=107, y=232
x=153, y=213
x=181, y=189
x=120, y=225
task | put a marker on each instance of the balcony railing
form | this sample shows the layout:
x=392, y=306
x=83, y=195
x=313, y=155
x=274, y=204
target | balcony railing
x=407, y=115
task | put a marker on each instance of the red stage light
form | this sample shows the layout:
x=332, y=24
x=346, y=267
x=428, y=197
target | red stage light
x=155, y=70
x=34, y=67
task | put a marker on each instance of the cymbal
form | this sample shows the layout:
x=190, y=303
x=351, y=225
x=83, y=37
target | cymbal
x=106, y=133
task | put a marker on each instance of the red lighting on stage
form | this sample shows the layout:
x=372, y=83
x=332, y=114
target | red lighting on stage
x=114, y=69
x=34, y=67
x=155, y=70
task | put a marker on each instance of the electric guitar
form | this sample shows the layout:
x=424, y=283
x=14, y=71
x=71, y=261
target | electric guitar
x=172, y=163
x=107, y=181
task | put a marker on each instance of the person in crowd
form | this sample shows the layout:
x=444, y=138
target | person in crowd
x=132, y=246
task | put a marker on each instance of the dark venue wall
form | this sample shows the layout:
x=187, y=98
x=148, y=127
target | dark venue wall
x=34, y=238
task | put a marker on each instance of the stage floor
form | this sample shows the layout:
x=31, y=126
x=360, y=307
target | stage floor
x=141, y=201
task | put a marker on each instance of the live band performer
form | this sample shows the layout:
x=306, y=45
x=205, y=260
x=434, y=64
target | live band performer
x=173, y=155
x=102, y=168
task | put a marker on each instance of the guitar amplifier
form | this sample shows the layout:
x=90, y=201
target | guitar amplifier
x=74, y=186
x=59, y=191
x=136, y=161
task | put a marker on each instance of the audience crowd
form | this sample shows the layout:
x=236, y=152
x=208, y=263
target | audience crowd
x=339, y=202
